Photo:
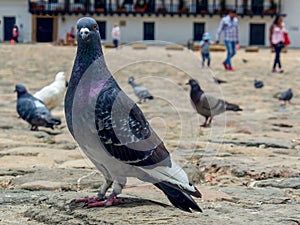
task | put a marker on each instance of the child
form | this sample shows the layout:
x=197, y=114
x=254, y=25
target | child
x=204, y=44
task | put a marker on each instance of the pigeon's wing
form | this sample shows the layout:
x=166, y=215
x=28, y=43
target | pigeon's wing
x=285, y=96
x=141, y=92
x=26, y=108
x=210, y=106
x=125, y=132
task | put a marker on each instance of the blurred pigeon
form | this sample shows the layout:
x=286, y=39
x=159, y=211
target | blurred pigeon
x=286, y=96
x=244, y=60
x=219, y=81
x=140, y=91
x=207, y=105
x=53, y=94
x=258, y=84
x=33, y=110
x=113, y=132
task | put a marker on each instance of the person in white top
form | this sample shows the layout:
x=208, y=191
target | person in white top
x=277, y=31
x=116, y=33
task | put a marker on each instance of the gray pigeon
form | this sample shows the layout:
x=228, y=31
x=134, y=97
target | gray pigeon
x=219, y=81
x=33, y=110
x=206, y=104
x=286, y=96
x=258, y=84
x=113, y=132
x=140, y=91
x=244, y=60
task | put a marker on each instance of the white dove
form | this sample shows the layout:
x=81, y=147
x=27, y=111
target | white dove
x=53, y=94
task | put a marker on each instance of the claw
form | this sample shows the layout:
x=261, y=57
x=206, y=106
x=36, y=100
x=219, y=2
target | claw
x=88, y=200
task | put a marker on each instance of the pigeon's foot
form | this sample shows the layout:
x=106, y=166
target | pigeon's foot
x=34, y=128
x=89, y=200
x=99, y=202
x=203, y=125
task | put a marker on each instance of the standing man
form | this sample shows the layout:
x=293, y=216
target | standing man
x=115, y=33
x=229, y=24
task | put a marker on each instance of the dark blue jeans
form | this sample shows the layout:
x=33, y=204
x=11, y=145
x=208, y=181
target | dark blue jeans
x=277, y=48
x=206, y=56
x=230, y=46
x=116, y=42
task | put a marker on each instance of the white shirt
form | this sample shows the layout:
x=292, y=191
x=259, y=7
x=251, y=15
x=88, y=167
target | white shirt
x=115, y=33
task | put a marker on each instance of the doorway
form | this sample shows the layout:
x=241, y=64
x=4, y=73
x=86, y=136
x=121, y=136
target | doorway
x=257, y=34
x=9, y=23
x=198, y=31
x=148, y=31
x=44, y=29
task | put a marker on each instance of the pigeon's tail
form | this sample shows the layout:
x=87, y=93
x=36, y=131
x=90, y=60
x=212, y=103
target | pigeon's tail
x=150, y=97
x=219, y=81
x=232, y=107
x=53, y=121
x=179, y=198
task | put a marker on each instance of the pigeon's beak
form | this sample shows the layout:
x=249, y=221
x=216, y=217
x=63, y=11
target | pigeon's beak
x=84, y=33
x=187, y=83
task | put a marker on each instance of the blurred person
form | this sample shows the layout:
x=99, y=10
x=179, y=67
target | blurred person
x=116, y=33
x=277, y=31
x=229, y=24
x=204, y=45
x=15, y=33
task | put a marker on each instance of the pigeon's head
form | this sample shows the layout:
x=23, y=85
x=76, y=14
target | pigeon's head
x=290, y=90
x=20, y=89
x=130, y=80
x=60, y=76
x=194, y=85
x=87, y=30
x=192, y=82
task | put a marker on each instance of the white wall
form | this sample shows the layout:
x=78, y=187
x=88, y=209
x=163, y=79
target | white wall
x=172, y=29
x=291, y=8
x=18, y=9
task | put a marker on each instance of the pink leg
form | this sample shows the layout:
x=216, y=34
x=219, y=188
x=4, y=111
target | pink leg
x=205, y=123
x=112, y=200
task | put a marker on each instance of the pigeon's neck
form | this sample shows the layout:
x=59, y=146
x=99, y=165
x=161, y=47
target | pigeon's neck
x=22, y=94
x=196, y=93
x=133, y=84
x=85, y=57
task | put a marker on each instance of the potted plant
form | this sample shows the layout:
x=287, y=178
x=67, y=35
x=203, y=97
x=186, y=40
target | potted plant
x=120, y=8
x=223, y=7
x=182, y=6
x=140, y=6
x=163, y=7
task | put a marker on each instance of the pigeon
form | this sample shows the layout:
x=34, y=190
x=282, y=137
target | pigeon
x=33, y=110
x=258, y=84
x=140, y=91
x=206, y=104
x=53, y=94
x=219, y=81
x=244, y=60
x=286, y=96
x=113, y=132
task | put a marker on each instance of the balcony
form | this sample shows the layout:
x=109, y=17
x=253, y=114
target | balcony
x=156, y=7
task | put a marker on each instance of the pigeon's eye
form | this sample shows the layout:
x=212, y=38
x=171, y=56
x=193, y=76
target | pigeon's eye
x=95, y=27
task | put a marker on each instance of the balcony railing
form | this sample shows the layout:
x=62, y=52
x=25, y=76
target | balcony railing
x=157, y=8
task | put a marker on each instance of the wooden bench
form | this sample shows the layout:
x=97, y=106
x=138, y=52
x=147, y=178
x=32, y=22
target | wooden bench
x=217, y=48
x=108, y=45
x=139, y=46
x=252, y=49
x=174, y=47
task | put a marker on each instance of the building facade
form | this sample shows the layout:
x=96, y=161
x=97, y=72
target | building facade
x=175, y=21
